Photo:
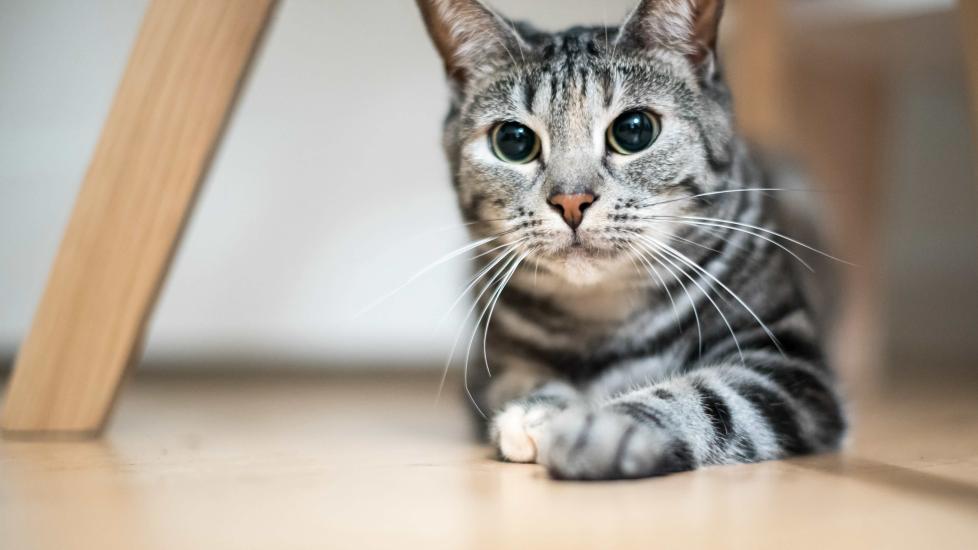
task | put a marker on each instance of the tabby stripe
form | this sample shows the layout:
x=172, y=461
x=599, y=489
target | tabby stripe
x=798, y=346
x=745, y=448
x=779, y=415
x=717, y=164
x=641, y=413
x=719, y=345
x=729, y=246
x=792, y=344
x=584, y=435
x=592, y=48
x=575, y=364
x=529, y=94
x=548, y=51
x=818, y=398
x=717, y=412
x=690, y=186
x=623, y=446
x=664, y=394
x=608, y=85
x=677, y=458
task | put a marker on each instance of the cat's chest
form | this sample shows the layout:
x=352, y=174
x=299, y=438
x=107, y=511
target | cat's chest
x=578, y=320
x=608, y=308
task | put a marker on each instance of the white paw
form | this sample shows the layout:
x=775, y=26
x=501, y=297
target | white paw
x=517, y=430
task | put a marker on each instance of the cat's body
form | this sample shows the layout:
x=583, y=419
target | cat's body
x=646, y=317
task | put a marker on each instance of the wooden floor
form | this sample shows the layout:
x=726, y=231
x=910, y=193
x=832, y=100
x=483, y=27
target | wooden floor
x=315, y=461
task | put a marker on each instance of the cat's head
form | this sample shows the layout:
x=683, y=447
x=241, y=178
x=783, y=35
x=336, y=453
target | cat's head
x=566, y=144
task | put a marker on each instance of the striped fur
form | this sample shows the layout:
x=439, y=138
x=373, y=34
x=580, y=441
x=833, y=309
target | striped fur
x=671, y=330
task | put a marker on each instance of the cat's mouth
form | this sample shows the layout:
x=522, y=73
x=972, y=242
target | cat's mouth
x=580, y=263
x=579, y=249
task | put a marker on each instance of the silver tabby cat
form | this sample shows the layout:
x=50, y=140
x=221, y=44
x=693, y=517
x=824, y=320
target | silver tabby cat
x=647, y=317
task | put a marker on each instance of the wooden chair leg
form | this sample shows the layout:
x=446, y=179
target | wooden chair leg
x=757, y=71
x=177, y=91
x=968, y=17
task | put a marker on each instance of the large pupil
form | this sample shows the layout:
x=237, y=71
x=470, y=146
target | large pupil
x=633, y=131
x=515, y=141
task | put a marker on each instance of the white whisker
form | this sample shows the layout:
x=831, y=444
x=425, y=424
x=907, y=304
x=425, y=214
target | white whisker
x=458, y=336
x=510, y=247
x=443, y=260
x=764, y=230
x=682, y=257
x=657, y=246
x=692, y=303
x=759, y=236
x=495, y=300
x=721, y=192
x=662, y=283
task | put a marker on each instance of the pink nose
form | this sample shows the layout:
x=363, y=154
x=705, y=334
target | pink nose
x=572, y=207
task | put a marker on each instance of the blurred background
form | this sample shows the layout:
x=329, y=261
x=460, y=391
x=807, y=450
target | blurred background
x=330, y=190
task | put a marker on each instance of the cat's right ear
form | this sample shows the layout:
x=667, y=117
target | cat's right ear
x=469, y=36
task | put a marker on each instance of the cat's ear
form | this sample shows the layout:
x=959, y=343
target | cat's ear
x=686, y=26
x=468, y=35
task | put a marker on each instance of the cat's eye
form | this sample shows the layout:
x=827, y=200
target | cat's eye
x=632, y=132
x=514, y=142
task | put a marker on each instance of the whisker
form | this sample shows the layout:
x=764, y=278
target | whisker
x=494, y=301
x=731, y=228
x=768, y=231
x=443, y=260
x=429, y=232
x=654, y=243
x=475, y=280
x=682, y=257
x=683, y=239
x=719, y=235
x=642, y=275
x=662, y=283
x=720, y=192
x=489, y=307
x=692, y=303
x=504, y=272
x=458, y=336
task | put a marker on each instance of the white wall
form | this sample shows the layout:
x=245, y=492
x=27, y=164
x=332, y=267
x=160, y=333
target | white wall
x=330, y=185
x=324, y=195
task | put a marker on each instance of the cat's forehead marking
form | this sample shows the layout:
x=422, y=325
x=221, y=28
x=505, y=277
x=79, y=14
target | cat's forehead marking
x=566, y=80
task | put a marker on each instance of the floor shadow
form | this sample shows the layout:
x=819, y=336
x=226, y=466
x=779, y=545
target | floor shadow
x=916, y=482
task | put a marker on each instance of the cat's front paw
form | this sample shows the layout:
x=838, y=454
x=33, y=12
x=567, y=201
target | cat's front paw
x=517, y=429
x=607, y=444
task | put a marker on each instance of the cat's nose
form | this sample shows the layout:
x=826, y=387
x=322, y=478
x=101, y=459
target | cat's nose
x=572, y=207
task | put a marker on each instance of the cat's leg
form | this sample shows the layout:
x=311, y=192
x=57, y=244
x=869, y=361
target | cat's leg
x=767, y=407
x=524, y=398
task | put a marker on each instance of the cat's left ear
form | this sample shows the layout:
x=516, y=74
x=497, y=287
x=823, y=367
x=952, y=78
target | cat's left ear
x=687, y=26
x=469, y=36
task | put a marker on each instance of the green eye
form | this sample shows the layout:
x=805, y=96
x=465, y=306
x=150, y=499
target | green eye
x=632, y=132
x=515, y=143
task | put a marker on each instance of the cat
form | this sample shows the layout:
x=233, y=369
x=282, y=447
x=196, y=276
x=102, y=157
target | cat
x=646, y=315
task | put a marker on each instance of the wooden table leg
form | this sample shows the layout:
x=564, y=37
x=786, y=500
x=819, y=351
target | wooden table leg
x=177, y=91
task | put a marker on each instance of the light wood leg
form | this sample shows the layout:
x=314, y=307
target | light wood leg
x=176, y=93
x=757, y=71
x=968, y=16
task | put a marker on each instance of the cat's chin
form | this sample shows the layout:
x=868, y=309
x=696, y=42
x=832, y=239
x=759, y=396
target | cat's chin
x=583, y=266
